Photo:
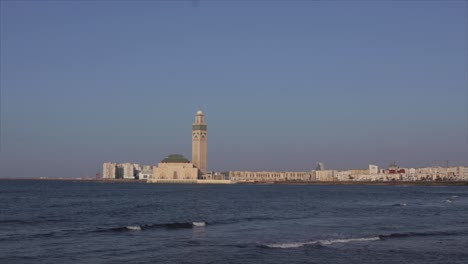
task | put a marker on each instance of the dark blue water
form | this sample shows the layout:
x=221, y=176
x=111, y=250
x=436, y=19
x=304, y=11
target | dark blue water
x=85, y=222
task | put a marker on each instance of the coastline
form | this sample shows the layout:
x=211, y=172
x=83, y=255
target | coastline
x=407, y=183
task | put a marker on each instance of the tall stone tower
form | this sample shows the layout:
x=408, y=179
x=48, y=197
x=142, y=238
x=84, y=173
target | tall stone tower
x=199, y=139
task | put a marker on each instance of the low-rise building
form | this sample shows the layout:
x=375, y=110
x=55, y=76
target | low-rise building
x=145, y=173
x=270, y=176
x=325, y=175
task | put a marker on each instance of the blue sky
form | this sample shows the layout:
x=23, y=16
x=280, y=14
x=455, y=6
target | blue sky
x=283, y=84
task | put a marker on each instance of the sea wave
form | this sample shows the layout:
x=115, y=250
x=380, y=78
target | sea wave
x=244, y=219
x=422, y=234
x=199, y=224
x=402, y=204
x=32, y=221
x=319, y=242
x=134, y=228
x=153, y=226
x=325, y=242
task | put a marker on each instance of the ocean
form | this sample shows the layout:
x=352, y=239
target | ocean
x=90, y=222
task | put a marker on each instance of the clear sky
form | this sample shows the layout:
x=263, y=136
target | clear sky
x=283, y=84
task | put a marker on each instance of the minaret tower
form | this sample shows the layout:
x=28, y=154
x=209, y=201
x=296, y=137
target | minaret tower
x=199, y=142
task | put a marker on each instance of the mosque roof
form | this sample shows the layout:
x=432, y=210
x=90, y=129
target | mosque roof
x=175, y=158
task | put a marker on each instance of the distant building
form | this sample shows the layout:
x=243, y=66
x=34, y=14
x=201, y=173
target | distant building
x=136, y=169
x=320, y=166
x=128, y=171
x=373, y=169
x=145, y=173
x=199, y=141
x=325, y=175
x=175, y=167
x=270, y=176
x=339, y=175
x=462, y=173
x=211, y=175
x=109, y=170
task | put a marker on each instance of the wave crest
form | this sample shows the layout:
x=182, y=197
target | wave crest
x=326, y=242
x=320, y=242
x=134, y=228
x=153, y=226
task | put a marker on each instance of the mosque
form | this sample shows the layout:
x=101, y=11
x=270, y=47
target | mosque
x=177, y=168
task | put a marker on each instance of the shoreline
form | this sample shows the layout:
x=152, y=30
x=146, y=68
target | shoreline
x=408, y=183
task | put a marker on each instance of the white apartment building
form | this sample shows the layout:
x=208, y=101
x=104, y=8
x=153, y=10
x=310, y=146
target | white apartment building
x=128, y=171
x=373, y=169
x=109, y=170
x=146, y=172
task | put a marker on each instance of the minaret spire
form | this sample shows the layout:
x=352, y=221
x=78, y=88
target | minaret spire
x=199, y=140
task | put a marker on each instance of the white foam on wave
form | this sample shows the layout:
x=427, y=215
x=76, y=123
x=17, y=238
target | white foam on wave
x=199, y=224
x=320, y=242
x=133, y=228
x=329, y=242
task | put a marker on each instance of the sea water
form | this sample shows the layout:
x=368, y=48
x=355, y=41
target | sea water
x=90, y=222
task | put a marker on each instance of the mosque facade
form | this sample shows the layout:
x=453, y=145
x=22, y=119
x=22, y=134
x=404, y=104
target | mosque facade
x=177, y=168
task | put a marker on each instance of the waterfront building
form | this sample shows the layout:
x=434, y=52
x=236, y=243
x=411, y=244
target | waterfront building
x=462, y=173
x=212, y=175
x=199, y=142
x=270, y=176
x=128, y=171
x=339, y=175
x=175, y=168
x=359, y=172
x=136, y=169
x=373, y=169
x=325, y=175
x=146, y=172
x=109, y=170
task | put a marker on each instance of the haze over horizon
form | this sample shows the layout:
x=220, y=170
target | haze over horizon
x=283, y=84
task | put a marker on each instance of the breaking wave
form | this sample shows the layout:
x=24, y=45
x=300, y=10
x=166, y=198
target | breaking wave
x=154, y=226
x=319, y=242
x=134, y=228
x=326, y=242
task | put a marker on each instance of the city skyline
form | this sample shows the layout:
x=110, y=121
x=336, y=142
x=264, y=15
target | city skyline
x=282, y=86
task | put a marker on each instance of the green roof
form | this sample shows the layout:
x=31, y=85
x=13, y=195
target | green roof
x=175, y=158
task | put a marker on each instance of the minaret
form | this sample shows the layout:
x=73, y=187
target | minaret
x=199, y=142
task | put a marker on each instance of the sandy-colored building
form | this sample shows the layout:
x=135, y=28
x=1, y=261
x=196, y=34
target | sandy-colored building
x=270, y=176
x=325, y=175
x=175, y=167
x=359, y=172
x=199, y=142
